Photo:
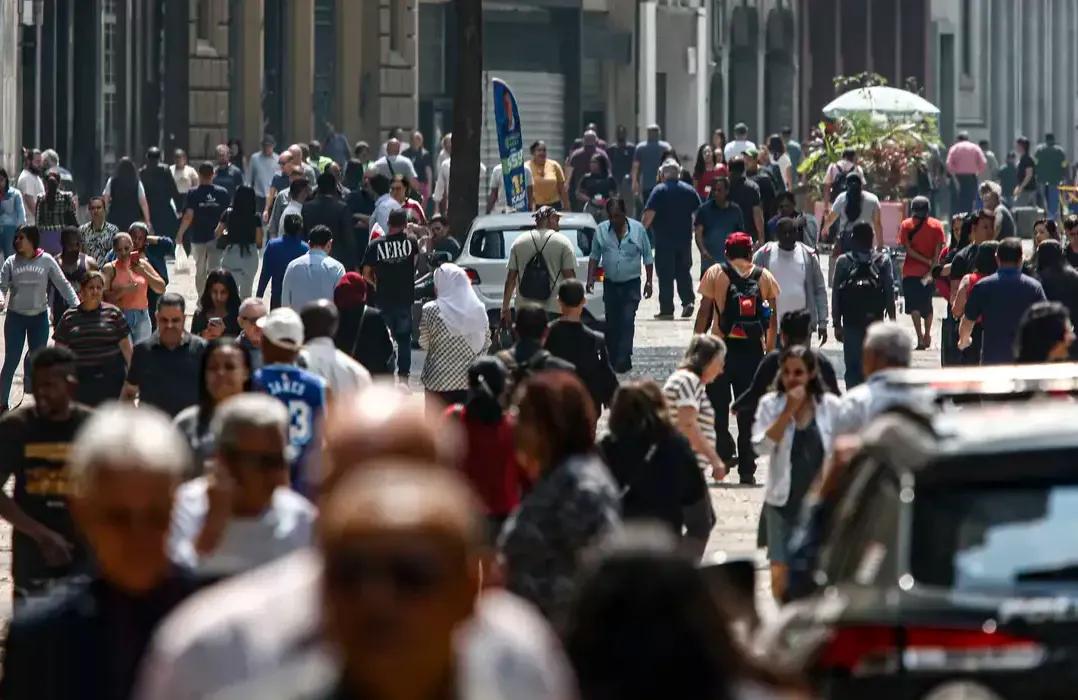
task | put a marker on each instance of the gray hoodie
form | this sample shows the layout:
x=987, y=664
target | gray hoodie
x=29, y=278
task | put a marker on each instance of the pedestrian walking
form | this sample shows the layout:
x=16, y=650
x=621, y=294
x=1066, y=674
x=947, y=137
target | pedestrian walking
x=570, y=339
x=74, y=264
x=1058, y=278
x=691, y=410
x=327, y=209
x=55, y=211
x=796, y=269
x=966, y=163
x=162, y=195
x=155, y=249
x=1026, y=192
x=454, y=330
x=263, y=169
x=669, y=212
x=226, y=370
x=549, y=186
x=313, y=275
x=716, y=219
x=343, y=374
x=834, y=183
x=648, y=158
x=239, y=235
x=745, y=193
x=1052, y=166
x=985, y=263
x=992, y=200
x=202, y=214
x=218, y=310
x=279, y=253
x=128, y=280
x=183, y=174
x=621, y=247
x=923, y=238
x=251, y=310
x=125, y=196
x=225, y=173
x=706, y=169
x=362, y=331
x=99, y=336
x=863, y=293
x=538, y=262
x=887, y=350
x=12, y=214
x=97, y=233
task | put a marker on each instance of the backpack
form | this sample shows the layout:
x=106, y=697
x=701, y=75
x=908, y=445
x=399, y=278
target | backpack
x=519, y=371
x=744, y=309
x=838, y=185
x=535, y=281
x=861, y=295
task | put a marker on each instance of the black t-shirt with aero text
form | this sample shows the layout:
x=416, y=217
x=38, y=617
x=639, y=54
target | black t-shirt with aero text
x=207, y=203
x=35, y=453
x=393, y=259
x=1025, y=164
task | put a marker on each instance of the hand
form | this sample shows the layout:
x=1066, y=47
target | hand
x=838, y=333
x=647, y=290
x=265, y=217
x=213, y=331
x=179, y=240
x=795, y=398
x=54, y=548
x=822, y=334
x=718, y=470
x=964, y=343
x=507, y=317
x=704, y=255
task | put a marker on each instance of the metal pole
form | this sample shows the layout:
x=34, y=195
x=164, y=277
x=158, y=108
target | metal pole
x=39, y=10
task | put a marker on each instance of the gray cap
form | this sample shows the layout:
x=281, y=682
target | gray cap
x=920, y=207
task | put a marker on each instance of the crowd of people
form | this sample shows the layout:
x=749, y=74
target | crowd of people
x=255, y=505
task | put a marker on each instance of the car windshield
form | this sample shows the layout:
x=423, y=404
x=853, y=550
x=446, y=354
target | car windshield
x=991, y=537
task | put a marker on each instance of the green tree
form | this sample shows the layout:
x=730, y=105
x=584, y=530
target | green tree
x=467, y=117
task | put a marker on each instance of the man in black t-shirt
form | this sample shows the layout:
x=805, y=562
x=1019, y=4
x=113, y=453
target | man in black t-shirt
x=1025, y=194
x=389, y=267
x=765, y=182
x=46, y=545
x=746, y=195
x=204, y=207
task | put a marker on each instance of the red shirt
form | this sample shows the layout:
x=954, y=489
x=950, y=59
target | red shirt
x=490, y=463
x=930, y=236
x=943, y=284
x=703, y=183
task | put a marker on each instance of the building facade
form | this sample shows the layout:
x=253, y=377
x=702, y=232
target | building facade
x=10, y=118
x=1005, y=70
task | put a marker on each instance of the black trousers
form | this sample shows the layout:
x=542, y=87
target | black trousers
x=101, y=383
x=742, y=359
x=673, y=263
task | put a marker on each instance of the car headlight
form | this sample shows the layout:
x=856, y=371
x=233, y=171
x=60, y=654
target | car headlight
x=961, y=690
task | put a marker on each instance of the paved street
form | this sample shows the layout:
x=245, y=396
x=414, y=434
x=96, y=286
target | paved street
x=659, y=346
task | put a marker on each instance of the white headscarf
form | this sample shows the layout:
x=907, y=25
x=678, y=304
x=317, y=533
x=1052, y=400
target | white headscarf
x=461, y=309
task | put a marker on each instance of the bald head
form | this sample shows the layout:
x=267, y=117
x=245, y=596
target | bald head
x=384, y=422
x=320, y=319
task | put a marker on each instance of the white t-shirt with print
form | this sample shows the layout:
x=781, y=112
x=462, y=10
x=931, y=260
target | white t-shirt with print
x=497, y=182
x=31, y=187
x=789, y=268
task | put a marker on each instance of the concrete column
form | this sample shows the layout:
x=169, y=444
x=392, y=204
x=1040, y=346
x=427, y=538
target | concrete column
x=349, y=67
x=648, y=62
x=703, y=70
x=370, y=75
x=760, y=127
x=249, y=67
x=299, y=84
x=621, y=78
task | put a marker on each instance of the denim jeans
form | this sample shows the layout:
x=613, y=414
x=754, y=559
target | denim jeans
x=139, y=321
x=1051, y=201
x=621, y=300
x=853, y=341
x=673, y=263
x=400, y=327
x=21, y=330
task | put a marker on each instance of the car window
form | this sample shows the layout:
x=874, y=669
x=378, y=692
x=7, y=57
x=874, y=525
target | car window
x=864, y=551
x=996, y=536
x=495, y=245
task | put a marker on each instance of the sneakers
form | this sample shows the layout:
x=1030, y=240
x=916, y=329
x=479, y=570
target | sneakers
x=687, y=310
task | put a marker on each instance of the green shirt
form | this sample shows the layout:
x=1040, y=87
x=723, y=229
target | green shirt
x=1051, y=164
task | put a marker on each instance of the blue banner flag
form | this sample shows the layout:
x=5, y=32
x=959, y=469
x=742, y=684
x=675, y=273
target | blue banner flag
x=510, y=146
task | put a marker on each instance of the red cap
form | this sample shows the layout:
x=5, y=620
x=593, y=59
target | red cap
x=739, y=239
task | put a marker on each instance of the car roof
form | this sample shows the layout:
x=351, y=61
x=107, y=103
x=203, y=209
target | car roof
x=517, y=220
x=998, y=379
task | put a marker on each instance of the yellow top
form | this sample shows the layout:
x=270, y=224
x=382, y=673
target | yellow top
x=546, y=182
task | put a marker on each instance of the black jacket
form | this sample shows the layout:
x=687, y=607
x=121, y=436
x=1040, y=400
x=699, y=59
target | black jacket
x=161, y=194
x=85, y=640
x=330, y=210
x=1061, y=284
x=765, y=375
x=365, y=337
x=586, y=350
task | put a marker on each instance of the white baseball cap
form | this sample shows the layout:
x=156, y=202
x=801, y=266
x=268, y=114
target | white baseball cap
x=282, y=326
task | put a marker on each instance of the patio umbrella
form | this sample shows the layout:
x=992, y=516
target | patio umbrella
x=880, y=99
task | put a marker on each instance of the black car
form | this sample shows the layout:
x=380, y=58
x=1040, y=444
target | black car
x=951, y=563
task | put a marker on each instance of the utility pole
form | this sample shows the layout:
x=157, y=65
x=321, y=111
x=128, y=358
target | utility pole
x=467, y=117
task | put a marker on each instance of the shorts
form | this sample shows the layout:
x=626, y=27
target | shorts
x=778, y=528
x=917, y=296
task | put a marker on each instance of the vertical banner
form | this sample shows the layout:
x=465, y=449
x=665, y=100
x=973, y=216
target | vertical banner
x=510, y=146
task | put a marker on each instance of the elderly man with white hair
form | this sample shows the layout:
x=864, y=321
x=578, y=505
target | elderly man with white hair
x=992, y=198
x=88, y=638
x=888, y=348
x=242, y=514
x=251, y=310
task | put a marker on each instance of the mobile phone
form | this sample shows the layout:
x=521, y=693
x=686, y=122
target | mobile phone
x=134, y=258
x=216, y=321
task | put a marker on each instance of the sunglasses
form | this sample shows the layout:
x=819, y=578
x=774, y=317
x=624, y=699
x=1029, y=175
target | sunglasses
x=410, y=573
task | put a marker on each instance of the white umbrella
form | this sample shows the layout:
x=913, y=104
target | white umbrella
x=880, y=99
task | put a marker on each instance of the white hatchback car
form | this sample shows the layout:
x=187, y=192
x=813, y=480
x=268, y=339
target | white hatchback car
x=486, y=254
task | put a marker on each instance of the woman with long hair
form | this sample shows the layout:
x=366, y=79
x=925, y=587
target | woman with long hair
x=655, y=466
x=362, y=332
x=708, y=166
x=12, y=214
x=1043, y=230
x=236, y=156
x=99, y=335
x=225, y=372
x=574, y=500
x=794, y=427
x=984, y=264
x=454, y=330
x=240, y=235
x=128, y=281
x=218, y=311
x=718, y=145
x=125, y=196
x=1058, y=277
x=55, y=212
x=549, y=186
x=597, y=188
x=690, y=408
x=647, y=623
x=27, y=275
x=1045, y=334
x=780, y=160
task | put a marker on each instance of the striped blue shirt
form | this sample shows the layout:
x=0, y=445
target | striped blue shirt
x=621, y=260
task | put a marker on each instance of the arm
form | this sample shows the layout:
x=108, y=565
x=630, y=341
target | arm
x=220, y=230
x=271, y=197
x=126, y=348
x=877, y=224
x=563, y=192
x=286, y=287
x=492, y=197
x=188, y=217
x=275, y=217
x=144, y=205
x=594, y=258
x=816, y=279
x=264, y=273
x=965, y=333
x=758, y=219
x=958, y=306
x=698, y=237
x=690, y=428
x=773, y=300
x=773, y=416
x=649, y=216
x=507, y=293
x=134, y=376
x=636, y=176
x=153, y=280
x=836, y=284
x=368, y=274
x=56, y=277
x=887, y=276
x=20, y=209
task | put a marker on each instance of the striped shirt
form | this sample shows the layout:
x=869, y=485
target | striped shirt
x=93, y=335
x=685, y=390
x=97, y=243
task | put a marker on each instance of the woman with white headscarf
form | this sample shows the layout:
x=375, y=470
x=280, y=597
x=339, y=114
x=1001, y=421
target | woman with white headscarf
x=454, y=330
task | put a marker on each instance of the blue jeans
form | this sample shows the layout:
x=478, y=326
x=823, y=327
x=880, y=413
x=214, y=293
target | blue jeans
x=621, y=300
x=1051, y=199
x=21, y=330
x=853, y=341
x=7, y=241
x=139, y=321
x=400, y=327
x=673, y=263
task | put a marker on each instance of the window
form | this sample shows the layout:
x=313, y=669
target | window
x=967, y=37
x=495, y=245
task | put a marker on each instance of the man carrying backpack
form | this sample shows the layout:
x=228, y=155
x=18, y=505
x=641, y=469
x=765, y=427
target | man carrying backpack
x=738, y=299
x=539, y=260
x=527, y=355
x=864, y=290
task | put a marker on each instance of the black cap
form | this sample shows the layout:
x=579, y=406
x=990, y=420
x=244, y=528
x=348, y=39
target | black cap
x=153, y=153
x=268, y=140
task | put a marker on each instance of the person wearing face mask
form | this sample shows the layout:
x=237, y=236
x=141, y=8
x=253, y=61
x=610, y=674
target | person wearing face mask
x=797, y=270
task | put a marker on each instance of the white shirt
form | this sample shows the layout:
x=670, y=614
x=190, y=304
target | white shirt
x=860, y=405
x=777, y=491
x=287, y=525
x=790, y=270
x=31, y=187
x=260, y=172
x=497, y=182
x=785, y=164
x=292, y=207
x=185, y=178
x=343, y=375
x=735, y=148
x=441, y=185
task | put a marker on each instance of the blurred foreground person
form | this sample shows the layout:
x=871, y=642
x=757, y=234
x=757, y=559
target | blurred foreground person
x=87, y=639
x=645, y=624
x=264, y=625
x=1045, y=334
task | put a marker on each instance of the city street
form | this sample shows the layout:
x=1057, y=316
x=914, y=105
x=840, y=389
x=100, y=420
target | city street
x=659, y=346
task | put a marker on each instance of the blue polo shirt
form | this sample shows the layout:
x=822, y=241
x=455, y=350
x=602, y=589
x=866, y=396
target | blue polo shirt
x=718, y=223
x=207, y=202
x=999, y=300
x=621, y=260
x=674, y=203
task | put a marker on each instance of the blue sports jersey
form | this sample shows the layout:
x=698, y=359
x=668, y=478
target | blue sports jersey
x=304, y=394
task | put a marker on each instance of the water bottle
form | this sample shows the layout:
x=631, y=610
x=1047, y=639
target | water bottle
x=767, y=312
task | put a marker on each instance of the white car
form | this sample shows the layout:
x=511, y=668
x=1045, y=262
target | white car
x=486, y=254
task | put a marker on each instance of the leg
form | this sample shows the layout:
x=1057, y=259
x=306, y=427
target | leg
x=612, y=301
x=718, y=393
x=200, y=252
x=7, y=241
x=852, y=342
x=664, y=270
x=1051, y=196
x=912, y=293
x=37, y=337
x=683, y=275
x=744, y=357
x=400, y=325
x=630, y=303
x=15, y=325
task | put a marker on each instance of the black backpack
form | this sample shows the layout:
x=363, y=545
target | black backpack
x=744, y=303
x=535, y=281
x=519, y=371
x=861, y=295
x=838, y=185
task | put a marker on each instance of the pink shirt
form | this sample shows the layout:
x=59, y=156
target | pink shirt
x=966, y=158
